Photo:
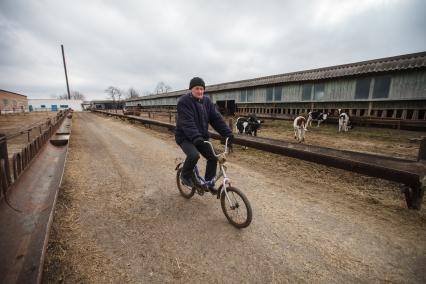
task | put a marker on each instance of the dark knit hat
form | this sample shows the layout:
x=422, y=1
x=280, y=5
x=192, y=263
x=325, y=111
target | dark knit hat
x=196, y=81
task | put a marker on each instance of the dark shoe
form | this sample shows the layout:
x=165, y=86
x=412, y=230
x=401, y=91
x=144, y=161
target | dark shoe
x=187, y=181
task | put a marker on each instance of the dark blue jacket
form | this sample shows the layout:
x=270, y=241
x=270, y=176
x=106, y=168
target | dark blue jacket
x=193, y=118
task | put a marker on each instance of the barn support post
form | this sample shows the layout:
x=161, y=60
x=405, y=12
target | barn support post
x=230, y=123
x=416, y=114
x=370, y=108
x=422, y=151
x=414, y=193
x=230, y=126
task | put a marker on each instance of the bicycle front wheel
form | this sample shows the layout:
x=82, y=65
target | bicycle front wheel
x=184, y=190
x=237, y=208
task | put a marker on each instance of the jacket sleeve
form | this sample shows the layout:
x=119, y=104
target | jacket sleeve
x=187, y=121
x=217, y=122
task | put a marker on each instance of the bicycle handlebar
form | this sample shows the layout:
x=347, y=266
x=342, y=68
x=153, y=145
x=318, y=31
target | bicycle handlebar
x=226, y=147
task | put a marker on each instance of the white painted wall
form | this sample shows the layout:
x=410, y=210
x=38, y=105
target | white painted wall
x=48, y=104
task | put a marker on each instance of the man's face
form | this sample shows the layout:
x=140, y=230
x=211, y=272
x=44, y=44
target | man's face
x=198, y=92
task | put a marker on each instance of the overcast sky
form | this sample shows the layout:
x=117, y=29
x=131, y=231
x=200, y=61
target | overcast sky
x=140, y=43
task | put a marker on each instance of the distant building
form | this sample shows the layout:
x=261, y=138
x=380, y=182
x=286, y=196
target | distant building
x=54, y=105
x=106, y=104
x=86, y=105
x=12, y=102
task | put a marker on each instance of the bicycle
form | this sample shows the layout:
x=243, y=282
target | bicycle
x=231, y=198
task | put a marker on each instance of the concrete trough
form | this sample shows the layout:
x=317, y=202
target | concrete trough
x=25, y=230
x=60, y=140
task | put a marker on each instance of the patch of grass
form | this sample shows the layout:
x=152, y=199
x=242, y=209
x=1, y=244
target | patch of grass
x=332, y=129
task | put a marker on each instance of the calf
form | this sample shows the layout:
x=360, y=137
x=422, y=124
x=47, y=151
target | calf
x=248, y=125
x=316, y=116
x=299, y=128
x=344, y=122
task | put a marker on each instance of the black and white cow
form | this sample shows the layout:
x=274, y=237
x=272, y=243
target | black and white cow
x=344, y=121
x=316, y=116
x=248, y=125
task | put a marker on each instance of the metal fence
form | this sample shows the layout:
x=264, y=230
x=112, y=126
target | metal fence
x=11, y=170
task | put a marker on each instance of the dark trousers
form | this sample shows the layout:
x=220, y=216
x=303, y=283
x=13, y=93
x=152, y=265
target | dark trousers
x=192, y=157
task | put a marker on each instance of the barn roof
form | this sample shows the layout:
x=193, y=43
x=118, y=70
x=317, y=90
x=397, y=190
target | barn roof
x=102, y=101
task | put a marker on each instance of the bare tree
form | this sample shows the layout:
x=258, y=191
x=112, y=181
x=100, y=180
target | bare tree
x=113, y=92
x=162, y=88
x=62, y=97
x=132, y=93
x=75, y=95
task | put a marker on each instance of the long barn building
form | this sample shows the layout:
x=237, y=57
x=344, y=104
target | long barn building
x=392, y=87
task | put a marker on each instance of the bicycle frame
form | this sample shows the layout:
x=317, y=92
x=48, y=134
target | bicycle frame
x=222, y=172
x=231, y=198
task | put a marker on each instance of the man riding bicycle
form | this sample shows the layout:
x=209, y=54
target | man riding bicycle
x=194, y=113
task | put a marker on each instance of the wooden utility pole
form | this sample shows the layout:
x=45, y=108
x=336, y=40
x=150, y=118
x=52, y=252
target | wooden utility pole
x=66, y=75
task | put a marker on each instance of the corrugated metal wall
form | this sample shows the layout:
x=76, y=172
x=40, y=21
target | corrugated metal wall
x=410, y=85
x=292, y=93
x=339, y=90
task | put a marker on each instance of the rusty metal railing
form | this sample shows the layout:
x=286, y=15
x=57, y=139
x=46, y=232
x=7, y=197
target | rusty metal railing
x=169, y=113
x=9, y=173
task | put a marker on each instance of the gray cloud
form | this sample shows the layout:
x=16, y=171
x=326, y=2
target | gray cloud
x=139, y=43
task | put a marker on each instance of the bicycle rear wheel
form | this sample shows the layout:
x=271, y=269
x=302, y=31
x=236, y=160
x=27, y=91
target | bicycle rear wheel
x=184, y=190
x=238, y=212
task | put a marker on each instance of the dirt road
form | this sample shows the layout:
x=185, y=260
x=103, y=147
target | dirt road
x=120, y=218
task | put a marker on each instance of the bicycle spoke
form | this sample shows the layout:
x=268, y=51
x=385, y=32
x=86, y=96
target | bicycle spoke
x=235, y=210
x=186, y=191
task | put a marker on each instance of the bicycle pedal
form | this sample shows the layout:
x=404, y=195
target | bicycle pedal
x=200, y=191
